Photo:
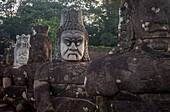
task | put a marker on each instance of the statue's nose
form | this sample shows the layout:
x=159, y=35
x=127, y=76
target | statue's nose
x=73, y=46
x=22, y=43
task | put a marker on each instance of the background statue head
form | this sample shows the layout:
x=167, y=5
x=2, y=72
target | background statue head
x=151, y=25
x=72, y=37
x=146, y=23
x=21, y=50
x=41, y=29
x=41, y=48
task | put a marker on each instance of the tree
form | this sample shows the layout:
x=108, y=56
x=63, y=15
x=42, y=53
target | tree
x=103, y=16
x=100, y=18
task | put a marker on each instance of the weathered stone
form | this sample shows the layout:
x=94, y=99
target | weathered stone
x=127, y=106
x=140, y=67
x=64, y=104
x=61, y=77
x=41, y=29
x=41, y=49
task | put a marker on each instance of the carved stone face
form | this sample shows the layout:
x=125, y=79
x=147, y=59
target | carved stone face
x=22, y=55
x=22, y=50
x=152, y=24
x=72, y=45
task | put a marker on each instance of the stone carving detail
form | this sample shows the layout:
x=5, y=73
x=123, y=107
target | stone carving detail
x=21, y=50
x=136, y=73
x=71, y=20
x=72, y=45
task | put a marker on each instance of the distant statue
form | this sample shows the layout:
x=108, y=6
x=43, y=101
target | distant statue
x=41, y=48
x=21, y=56
x=58, y=85
x=18, y=79
x=139, y=67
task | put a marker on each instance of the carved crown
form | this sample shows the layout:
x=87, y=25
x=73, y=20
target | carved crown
x=71, y=16
x=23, y=40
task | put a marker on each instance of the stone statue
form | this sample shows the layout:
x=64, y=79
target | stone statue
x=72, y=38
x=57, y=81
x=18, y=79
x=21, y=50
x=135, y=75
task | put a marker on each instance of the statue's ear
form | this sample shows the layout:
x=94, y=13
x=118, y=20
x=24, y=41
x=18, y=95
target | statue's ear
x=47, y=27
x=17, y=36
x=28, y=36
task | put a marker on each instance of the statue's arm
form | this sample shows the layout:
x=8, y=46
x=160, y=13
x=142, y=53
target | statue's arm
x=10, y=89
x=42, y=96
x=7, y=77
x=7, y=82
x=99, y=81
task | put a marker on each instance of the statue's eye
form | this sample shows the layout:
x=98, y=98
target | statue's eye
x=78, y=43
x=68, y=43
x=25, y=54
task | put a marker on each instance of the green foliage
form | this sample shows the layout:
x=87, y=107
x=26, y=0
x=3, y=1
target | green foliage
x=15, y=26
x=107, y=39
x=103, y=17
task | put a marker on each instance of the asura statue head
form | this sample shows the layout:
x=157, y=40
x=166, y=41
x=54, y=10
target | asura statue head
x=21, y=50
x=72, y=37
x=152, y=24
x=146, y=23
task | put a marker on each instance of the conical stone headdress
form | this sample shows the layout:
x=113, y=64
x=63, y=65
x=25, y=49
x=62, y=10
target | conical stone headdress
x=71, y=19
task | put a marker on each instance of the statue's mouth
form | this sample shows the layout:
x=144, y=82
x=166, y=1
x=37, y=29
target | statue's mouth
x=159, y=31
x=160, y=34
x=158, y=27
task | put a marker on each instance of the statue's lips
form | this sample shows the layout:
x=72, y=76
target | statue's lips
x=22, y=59
x=161, y=28
x=159, y=34
x=72, y=54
